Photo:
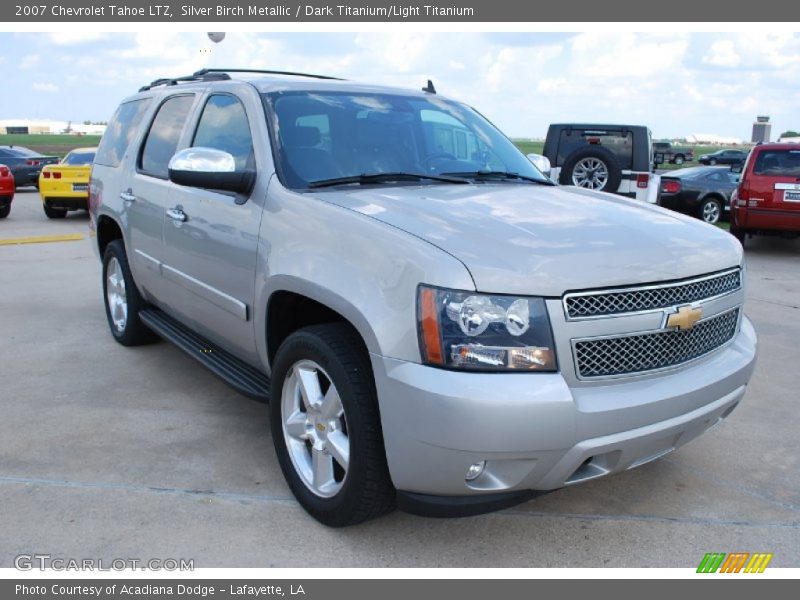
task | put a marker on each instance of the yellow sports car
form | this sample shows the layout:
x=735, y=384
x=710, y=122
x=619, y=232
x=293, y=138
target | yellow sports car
x=65, y=186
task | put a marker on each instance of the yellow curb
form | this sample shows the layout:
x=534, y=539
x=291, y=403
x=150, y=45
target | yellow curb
x=41, y=239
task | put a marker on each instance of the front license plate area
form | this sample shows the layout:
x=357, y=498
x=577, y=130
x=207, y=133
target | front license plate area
x=791, y=196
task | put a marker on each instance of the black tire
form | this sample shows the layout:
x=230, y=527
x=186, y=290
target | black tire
x=5, y=211
x=679, y=159
x=739, y=234
x=612, y=166
x=54, y=213
x=134, y=333
x=710, y=210
x=367, y=491
x=712, y=162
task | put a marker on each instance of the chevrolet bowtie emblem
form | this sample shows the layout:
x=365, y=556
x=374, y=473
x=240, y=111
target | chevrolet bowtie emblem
x=684, y=318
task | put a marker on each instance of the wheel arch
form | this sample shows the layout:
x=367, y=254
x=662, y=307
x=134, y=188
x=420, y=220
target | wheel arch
x=108, y=230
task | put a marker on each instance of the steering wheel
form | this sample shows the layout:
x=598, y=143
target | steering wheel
x=428, y=160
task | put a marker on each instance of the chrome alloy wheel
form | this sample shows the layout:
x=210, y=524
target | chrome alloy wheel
x=116, y=296
x=591, y=173
x=315, y=428
x=711, y=212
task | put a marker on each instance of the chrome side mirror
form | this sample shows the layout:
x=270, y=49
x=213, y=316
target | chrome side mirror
x=211, y=169
x=541, y=162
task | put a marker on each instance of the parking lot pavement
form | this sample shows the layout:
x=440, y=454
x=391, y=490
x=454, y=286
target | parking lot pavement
x=109, y=452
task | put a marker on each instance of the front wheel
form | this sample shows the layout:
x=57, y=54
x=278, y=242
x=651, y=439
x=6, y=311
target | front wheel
x=738, y=233
x=711, y=210
x=326, y=428
x=5, y=211
x=122, y=299
x=679, y=159
x=712, y=162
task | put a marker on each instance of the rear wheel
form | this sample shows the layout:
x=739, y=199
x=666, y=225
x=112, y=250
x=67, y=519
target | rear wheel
x=326, y=427
x=710, y=210
x=5, y=211
x=739, y=234
x=54, y=213
x=122, y=299
x=679, y=159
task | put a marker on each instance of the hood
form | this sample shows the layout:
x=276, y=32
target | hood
x=546, y=240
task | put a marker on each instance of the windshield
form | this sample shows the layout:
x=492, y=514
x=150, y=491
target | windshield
x=78, y=158
x=330, y=135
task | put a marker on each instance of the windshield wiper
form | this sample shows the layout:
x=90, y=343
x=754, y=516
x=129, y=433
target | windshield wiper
x=485, y=175
x=365, y=179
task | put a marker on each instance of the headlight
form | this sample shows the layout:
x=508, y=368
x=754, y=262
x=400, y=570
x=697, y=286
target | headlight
x=466, y=330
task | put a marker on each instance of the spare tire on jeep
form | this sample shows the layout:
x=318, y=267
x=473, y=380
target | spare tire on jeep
x=594, y=168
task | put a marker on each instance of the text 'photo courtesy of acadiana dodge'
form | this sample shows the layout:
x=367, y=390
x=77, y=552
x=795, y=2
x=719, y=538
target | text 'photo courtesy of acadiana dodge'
x=402, y=11
x=147, y=589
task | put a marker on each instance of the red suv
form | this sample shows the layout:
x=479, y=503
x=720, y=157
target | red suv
x=768, y=198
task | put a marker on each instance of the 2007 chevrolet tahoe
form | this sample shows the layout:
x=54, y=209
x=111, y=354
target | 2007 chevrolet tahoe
x=437, y=325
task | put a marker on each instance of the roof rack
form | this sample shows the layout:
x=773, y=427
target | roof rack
x=205, y=72
x=222, y=75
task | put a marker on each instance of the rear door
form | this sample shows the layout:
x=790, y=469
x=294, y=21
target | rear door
x=774, y=188
x=211, y=242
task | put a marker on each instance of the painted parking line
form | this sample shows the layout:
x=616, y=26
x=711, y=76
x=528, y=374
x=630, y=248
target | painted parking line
x=41, y=239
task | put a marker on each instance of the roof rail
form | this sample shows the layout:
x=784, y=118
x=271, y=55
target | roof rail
x=198, y=76
x=205, y=72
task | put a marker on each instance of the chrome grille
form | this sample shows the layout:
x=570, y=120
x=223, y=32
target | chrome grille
x=582, y=305
x=604, y=357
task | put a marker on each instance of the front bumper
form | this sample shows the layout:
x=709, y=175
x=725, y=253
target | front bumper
x=535, y=432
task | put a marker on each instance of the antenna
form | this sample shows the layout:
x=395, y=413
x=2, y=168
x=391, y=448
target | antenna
x=429, y=89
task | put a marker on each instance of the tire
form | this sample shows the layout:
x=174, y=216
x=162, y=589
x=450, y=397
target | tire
x=5, y=211
x=710, y=210
x=574, y=170
x=354, y=490
x=129, y=331
x=54, y=213
x=712, y=162
x=679, y=160
x=739, y=234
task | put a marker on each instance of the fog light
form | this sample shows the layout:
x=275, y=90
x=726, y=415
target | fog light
x=475, y=470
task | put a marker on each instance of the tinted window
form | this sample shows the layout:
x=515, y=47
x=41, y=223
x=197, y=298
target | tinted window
x=120, y=132
x=78, y=158
x=223, y=126
x=165, y=132
x=619, y=143
x=715, y=177
x=21, y=151
x=778, y=163
x=4, y=152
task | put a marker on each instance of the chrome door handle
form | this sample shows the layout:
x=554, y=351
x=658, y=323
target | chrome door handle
x=176, y=214
x=127, y=196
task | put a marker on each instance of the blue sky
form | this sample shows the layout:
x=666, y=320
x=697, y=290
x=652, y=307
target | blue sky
x=677, y=83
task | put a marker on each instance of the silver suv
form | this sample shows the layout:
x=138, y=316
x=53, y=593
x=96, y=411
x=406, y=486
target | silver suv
x=437, y=325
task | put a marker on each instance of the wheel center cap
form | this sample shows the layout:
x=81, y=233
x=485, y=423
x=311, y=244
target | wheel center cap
x=320, y=427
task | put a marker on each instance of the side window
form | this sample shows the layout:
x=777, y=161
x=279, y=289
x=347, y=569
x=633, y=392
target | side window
x=224, y=126
x=120, y=132
x=165, y=132
x=715, y=177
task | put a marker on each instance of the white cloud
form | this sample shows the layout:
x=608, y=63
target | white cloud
x=28, y=61
x=723, y=54
x=69, y=38
x=45, y=86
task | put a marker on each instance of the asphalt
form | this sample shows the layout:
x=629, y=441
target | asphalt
x=109, y=452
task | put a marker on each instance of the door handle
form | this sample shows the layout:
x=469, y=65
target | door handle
x=176, y=214
x=127, y=196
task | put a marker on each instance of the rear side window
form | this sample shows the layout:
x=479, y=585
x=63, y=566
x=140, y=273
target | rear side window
x=120, y=132
x=782, y=163
x=164, y=135
x=224, y=126
x=619, y=143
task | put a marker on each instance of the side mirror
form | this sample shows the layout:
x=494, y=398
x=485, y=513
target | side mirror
x=541, y=162
x=658, y=159
x=736, y=168
x=211, y=169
